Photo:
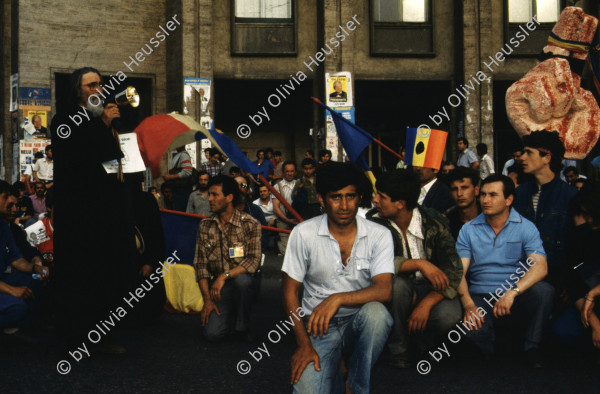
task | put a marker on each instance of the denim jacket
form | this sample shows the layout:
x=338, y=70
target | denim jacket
x=553, y=219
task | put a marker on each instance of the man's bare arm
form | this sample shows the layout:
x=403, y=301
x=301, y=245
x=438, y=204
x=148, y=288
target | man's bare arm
x=305, y=354
x=467, y=302
x=380, y=290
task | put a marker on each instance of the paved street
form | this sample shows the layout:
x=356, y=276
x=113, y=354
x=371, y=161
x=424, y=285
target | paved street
x=171, y=357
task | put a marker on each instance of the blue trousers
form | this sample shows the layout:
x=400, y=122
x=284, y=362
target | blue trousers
x=532, y=308
x=237, y=296
x=16, y=312
x=361, y=337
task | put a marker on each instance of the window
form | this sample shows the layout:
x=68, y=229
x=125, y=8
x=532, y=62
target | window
x=266, y=10
x=263, y=28
x=401, y=28
x=519, y=12
x=400, y=11
x=546, y=11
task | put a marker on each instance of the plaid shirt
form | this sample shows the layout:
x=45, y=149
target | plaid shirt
x=213, y=244
x=212, y=169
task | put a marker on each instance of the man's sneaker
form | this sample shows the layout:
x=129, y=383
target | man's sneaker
x=400, y=361
x=533, y=358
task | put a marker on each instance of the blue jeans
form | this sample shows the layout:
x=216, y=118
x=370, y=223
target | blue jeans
x=16, y=312
x=237, y=296
x=531, y=308
x=359, y=337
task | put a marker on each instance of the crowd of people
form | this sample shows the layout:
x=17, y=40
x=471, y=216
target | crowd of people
x=394, y=264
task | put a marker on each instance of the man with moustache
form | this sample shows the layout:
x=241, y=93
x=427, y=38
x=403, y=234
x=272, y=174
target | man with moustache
x=434, y=193
x=346, y=265
x=198, y=201
x=227, y=256
x=96, y=250
x=505, y=262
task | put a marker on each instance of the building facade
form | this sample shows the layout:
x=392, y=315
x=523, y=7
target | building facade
x=412, y=62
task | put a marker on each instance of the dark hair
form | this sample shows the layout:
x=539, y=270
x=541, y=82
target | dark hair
x=464, y=141
x=460, y=173
x=38, y=155
x=75, y=83
x=5, y=187
x=48, y=147
x=203, y=172
x=14, y=192
x=228, y=185
x=267, y=150
x=310, y=152
x=234, y=169
x=325, y=152
x=508, y=186
x=448, y=163
x=571, y=168
x=277, y=153
x=548, y=140
x=336, y=176
x=151, y=188
x=400, y=184
x=587, y=201
x=214, y=151
x=308, y=161
x=481, y=149
x=288, y=162
x=19, y=185
x=260, y=150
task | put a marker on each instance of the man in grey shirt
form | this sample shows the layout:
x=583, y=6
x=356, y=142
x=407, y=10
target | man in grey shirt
x=198, y=201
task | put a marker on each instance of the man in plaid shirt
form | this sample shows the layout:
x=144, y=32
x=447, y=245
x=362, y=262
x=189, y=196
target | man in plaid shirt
x=227, y=256
x=213, y=167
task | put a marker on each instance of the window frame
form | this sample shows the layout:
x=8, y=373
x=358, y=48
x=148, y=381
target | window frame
x=511, y=27
x=263, y=24
x=402, y=26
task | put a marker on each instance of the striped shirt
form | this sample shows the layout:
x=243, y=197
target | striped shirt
x=215, y=242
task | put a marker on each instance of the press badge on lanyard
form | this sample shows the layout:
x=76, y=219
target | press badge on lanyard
x=236, y=251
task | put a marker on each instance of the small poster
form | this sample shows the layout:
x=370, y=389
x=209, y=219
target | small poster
x=339, y=89
x=132, y=162
x=27, y=149
x=35, y=99
x=36, y=234
x=14, y=92
x=35, y=123
x=200, y=88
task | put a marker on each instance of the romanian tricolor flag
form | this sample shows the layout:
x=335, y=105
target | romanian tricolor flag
x=425, y=147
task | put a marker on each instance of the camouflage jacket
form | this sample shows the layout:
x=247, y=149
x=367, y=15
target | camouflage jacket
x=439, y=245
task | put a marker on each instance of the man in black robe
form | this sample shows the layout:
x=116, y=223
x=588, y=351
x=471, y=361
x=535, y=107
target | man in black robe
x=93, y=236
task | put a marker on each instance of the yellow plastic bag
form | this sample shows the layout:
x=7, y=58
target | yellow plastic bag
x=183, y=292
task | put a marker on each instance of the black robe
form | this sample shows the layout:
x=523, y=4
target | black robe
x=94, y=241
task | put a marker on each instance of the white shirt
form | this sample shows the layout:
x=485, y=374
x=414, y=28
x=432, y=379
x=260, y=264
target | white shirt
x=313, y=258
x=44, y=169
x=285, y=188
x=425, y=190
x=414, y=238
x=508, y=164
x=267, y=209
x=486, y=167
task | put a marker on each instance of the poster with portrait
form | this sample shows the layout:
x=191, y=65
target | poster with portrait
x=338, y=87
x=39, y=124
x=198, y=88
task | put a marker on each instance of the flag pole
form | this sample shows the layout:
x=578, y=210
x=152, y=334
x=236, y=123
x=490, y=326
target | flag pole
x=334, y=113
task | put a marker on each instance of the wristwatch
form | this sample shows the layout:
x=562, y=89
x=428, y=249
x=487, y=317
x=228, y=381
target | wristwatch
x=227, y=274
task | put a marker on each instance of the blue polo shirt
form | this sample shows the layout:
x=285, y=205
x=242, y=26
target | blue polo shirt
x=495, y=258
x=8, y=249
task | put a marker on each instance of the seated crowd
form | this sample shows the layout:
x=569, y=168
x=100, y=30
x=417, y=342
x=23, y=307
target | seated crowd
x=491, y=252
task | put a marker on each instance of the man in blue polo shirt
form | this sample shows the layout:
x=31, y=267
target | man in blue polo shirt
x=503, y=256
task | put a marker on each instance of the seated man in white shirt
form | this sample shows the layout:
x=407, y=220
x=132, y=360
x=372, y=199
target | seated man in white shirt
x=43, y=170
x=265, y=202
x=346, y=264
